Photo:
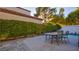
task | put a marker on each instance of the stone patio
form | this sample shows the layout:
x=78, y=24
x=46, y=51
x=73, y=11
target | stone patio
x=37, y=43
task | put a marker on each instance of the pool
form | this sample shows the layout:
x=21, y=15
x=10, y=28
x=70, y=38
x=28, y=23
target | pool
x=73, y=40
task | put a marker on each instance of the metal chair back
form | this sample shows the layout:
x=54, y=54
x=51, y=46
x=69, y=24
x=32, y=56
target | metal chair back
x=60, y=33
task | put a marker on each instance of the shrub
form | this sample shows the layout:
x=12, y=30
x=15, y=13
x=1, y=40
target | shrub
x=12, y=28
x=51, y=28
x=57, y=27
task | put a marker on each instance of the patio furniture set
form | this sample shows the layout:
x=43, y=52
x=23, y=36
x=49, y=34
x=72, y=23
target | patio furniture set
x=57, y=37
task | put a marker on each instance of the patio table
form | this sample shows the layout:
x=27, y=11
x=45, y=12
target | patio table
x=53, y=34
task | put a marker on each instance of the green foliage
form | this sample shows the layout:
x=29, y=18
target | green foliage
x=45, y=13
x=11, y=28
x=50, y=15
x=73, y=18
x=50, y=27
x=58, y=26
x=58, y=18
x=61, y=12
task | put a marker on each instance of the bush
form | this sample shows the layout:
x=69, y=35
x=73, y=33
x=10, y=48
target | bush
x=57, y=27
x=12, y=28
x=51, y=28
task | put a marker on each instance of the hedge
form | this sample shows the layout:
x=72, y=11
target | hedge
x=13, y=29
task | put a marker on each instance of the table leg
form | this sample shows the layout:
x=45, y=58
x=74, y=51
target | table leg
x=52, y=39
x=57, y=40
x=49, y=37
x=46, y=36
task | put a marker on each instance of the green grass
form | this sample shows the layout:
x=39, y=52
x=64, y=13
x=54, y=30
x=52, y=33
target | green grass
x=13, y=29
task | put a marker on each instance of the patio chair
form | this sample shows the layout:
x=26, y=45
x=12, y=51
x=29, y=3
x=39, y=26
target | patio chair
x=57, y=38
x=63, y=37
x=47, y=37
x=78, y=40
x=60, y=35
x=75, y=33
x=54, y=38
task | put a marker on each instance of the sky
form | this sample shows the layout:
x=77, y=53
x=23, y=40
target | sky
x=66, y=12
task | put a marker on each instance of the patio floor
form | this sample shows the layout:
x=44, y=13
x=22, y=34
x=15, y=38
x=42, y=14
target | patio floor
x=37, y=43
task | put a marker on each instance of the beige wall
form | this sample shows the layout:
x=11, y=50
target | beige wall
x=17, y=10
x=20, y=18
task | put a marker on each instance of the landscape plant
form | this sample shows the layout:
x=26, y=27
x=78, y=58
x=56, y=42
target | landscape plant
x=11, y=29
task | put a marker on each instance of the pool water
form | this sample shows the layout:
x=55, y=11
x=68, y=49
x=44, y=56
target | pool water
x=73, y=40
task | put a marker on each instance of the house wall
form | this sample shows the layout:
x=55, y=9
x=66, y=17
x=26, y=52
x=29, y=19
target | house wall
x=9, y=16
x=18, y=10
x=71, y=29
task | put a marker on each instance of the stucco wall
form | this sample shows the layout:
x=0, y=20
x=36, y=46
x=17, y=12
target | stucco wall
x=20, y=18
x=71, y=29
x=17, y=10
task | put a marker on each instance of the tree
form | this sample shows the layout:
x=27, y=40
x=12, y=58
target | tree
x=61, y=12
x=73, y=17
x=46, y=13
x=59, y=18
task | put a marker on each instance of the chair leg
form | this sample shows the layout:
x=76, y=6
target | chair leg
x=51, y=41
x=46, y=38
x=61, y=40
x=57, y=41
x=68, y=40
